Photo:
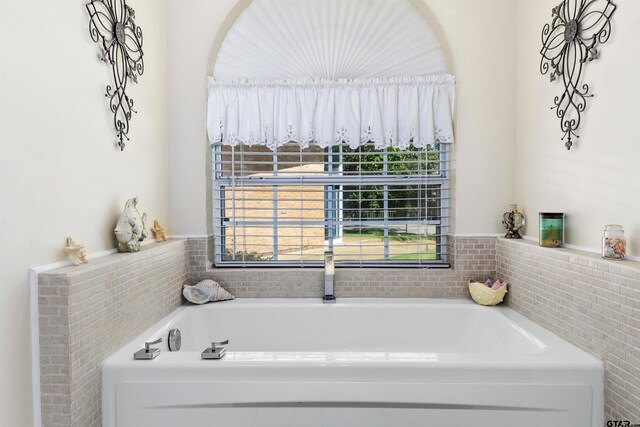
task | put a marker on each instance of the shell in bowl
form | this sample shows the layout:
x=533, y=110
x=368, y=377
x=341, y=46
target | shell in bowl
x=484, y=295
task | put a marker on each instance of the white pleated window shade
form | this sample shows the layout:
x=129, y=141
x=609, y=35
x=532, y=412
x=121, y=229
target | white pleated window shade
x=329, y=39
x=372, y=206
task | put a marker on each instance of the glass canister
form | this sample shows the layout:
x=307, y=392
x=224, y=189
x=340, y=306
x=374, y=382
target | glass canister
x=551, y=229
x=614, y=242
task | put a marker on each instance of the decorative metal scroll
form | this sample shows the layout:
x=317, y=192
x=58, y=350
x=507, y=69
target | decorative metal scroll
x=571, y=40
x=112, y=24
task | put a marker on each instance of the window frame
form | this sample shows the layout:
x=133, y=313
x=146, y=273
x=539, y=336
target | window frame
x=220, y=183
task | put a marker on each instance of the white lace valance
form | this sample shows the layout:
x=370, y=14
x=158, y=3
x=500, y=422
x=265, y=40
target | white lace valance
x=391, y=112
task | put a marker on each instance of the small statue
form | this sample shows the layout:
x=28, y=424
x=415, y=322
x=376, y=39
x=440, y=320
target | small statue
x=76, y=252
x=513, y=221
x=159, y=231
x=131, y=227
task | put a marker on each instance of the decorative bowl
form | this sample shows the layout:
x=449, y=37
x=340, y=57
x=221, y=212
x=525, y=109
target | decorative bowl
x=484, y=295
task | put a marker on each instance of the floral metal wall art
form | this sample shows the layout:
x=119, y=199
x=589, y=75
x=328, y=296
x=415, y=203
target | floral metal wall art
x=577, y=27
x=112, y=24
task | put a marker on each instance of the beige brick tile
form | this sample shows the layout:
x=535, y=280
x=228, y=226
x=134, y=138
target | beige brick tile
x=88, y=312
x=590, y=304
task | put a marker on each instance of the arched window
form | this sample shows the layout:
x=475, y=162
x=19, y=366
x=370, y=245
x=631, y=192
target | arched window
x=330, y=123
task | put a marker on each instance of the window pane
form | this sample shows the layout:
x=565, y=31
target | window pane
x=412, y=242
x=365, y=204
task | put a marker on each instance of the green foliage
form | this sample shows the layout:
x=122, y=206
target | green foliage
x=248, y=256
x=431, y=255
x=403, y=200
x=394, y=235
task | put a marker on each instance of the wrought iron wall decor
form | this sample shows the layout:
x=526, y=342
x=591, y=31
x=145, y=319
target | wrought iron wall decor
x=112, y=24
x=577, y=27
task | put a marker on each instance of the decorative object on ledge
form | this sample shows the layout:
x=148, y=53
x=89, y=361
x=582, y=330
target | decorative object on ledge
x=488, y=293
x=206, y=291
x=131, y=227
x=513, y=221
x=76, y=252
x=571, y=40
x=159, y=231
x=614, y=242
x=112, y=24
x=551, y=229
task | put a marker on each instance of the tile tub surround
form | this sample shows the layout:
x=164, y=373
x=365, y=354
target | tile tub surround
x=591, y=302
x=471, y=257
x=199, y=250
x=88, y=312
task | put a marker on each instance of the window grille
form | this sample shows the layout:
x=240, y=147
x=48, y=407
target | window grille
x=371, y=207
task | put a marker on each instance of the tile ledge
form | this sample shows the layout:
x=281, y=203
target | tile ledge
x=596, y=258
x=108, y=260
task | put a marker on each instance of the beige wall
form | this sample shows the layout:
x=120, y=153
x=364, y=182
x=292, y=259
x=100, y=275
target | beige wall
x=60, y=173
x=480, y=35
x=597, y=182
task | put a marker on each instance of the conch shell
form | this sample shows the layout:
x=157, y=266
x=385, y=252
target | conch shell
x=76, y=252
x=206, y=291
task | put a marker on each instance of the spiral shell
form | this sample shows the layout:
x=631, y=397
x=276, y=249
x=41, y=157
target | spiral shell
x=206, y=291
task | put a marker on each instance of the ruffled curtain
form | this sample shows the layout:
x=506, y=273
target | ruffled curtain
x=390, y=112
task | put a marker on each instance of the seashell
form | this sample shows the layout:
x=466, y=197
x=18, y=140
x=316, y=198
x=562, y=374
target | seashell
x=206, y=291
x=144, y=233
x=131, y=227
x=159, y=231
x=76, y=252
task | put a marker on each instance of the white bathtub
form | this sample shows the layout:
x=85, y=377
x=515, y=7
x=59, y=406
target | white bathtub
x=359, y=362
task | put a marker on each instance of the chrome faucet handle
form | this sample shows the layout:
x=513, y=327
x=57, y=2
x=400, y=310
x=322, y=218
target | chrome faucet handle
x=148, y=353
x=216, y=351
x=147, y=345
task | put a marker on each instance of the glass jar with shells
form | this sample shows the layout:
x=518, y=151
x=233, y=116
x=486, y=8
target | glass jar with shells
x=614, y=242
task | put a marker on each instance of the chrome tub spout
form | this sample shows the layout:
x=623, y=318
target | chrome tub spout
x=329, y=269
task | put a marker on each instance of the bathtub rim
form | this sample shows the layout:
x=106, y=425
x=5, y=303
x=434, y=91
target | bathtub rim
x=556, y=351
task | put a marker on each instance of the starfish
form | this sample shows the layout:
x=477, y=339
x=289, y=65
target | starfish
x=159, y=231
x=76, y=252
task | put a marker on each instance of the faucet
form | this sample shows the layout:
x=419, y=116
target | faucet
x=148, y=352
x=328, y=278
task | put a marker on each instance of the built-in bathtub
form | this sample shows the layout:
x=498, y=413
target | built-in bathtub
x=359, y=362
